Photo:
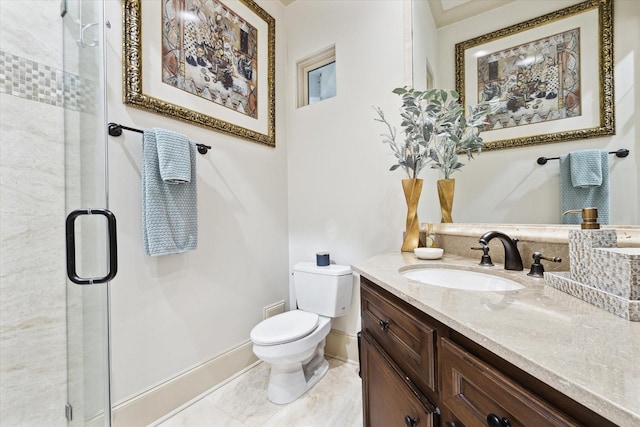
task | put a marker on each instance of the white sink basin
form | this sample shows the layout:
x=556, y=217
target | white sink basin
x=461, y=279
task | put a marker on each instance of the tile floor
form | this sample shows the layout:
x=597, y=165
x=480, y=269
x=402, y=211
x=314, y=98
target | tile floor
x=335, y=401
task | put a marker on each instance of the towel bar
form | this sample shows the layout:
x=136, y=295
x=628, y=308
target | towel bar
x=623, y=152
x=115, y=129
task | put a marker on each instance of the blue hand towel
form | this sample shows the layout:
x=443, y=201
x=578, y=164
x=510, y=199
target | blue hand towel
x=583, y=197
x=586, y=168
x=174, y=156
x=169, y=210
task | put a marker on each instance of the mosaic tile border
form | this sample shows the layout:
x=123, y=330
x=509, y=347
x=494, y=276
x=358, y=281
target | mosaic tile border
x=622, y=307
x=24, y=78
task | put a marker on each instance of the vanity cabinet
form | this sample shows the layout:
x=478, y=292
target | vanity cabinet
x=404, y=334
x=476, y=394
x=390, y=398
x=418, y=371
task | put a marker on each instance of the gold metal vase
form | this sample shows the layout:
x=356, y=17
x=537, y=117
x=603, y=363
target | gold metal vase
x=446, y=189
x=412, y=189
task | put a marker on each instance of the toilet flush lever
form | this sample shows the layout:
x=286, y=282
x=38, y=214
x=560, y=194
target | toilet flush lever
x=384, y=324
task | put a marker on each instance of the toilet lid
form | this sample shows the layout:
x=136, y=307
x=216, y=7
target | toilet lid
x=285, y=327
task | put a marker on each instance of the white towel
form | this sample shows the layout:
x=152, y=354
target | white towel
x=169, y=210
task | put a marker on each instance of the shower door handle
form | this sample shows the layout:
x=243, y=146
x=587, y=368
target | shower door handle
x=71, y=246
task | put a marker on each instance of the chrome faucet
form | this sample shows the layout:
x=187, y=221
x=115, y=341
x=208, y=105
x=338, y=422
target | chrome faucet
x=512, y=259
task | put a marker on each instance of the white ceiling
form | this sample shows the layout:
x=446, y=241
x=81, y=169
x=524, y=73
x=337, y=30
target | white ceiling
x=450, y=4
x=447, y=12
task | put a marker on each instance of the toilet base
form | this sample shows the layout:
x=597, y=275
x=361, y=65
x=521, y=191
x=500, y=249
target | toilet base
x=295, y=366
x=286, y=384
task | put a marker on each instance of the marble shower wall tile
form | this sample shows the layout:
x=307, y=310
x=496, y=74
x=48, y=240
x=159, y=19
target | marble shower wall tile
x=34, y=93
x=32, y=29
x=32, y=278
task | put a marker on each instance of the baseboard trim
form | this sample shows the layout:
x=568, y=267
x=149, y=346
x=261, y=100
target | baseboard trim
x=343, y=346
x=156, y=403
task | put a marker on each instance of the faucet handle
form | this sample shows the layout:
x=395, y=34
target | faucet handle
x=537, y=269
x=485, y=261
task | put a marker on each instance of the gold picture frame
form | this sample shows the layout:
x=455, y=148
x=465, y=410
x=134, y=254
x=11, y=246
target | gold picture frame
x=146, y=31
x=478, y=69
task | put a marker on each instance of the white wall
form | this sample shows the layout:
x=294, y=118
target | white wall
x=172, y=313
x=507, y=186
x=425, y=43
x=342, y=198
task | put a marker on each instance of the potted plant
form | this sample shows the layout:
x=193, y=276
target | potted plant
x=436, y=131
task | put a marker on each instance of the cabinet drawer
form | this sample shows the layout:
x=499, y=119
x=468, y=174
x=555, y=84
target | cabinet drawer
x=403, y=334
x=474, y=391
x=389, y=399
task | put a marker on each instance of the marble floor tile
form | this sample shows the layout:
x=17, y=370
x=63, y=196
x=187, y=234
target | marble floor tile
x=334, y=401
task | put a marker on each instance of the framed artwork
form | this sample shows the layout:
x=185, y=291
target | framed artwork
x=206, y=62
x=552, y=77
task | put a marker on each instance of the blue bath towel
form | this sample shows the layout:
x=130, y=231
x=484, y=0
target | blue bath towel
x=169, y=208
x=579, y=197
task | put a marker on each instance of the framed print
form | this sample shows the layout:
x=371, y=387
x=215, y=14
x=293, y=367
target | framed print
x=206, y=62
x=552, y=77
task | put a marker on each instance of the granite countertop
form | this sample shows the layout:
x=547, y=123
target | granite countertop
x=587, y=353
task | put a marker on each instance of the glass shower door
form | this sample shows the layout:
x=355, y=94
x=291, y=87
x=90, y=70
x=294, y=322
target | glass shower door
x=90, y=226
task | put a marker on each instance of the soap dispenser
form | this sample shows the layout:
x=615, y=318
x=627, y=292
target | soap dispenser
x=581, y=243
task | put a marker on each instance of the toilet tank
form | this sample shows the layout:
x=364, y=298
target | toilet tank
x=323, y=290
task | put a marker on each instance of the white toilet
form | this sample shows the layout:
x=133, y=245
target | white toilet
x=292, y=343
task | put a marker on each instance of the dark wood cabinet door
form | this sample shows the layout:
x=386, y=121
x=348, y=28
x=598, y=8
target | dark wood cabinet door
x=403, y=334
x=479, y=395
x=390, y=399
x=448, y=418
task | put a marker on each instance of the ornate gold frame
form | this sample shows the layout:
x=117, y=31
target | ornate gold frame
x=606, y=64
x=132, y=75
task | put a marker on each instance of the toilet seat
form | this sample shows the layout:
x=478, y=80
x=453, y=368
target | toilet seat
x=284, y=328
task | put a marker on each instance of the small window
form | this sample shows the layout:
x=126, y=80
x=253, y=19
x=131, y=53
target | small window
x=321, y=83
x=317, y=77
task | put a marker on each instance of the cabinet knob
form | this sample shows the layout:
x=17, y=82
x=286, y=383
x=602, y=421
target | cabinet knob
x=410, y=422
x=494, y=421
x=384, y=324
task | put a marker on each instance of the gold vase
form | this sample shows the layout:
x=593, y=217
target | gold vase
x=412, y=189
x=446, y=189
